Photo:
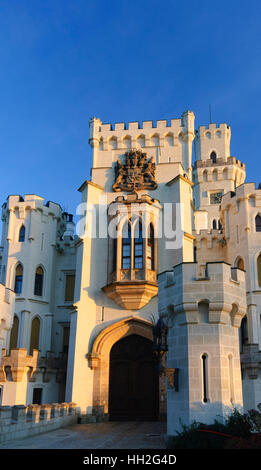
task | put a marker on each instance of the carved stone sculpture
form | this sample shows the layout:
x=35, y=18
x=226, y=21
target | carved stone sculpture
x=137, y=173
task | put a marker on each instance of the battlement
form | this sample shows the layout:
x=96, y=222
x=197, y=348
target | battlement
x=208, y=234
x=219, y=162
x=134, y=125
x=31, y=202
x=244, y=191
x=213, y=140
x=18, y=422
x=213, y=129
x=120, y=133
x=223, y=288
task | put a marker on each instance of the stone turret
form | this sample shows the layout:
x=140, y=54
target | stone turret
x=212, y=138
x=203, y=315
x=215, y=172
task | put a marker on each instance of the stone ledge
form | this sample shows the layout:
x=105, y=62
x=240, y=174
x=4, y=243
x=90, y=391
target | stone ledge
x=21, y=421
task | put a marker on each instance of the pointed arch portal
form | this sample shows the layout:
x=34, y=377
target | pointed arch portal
x=125, y=374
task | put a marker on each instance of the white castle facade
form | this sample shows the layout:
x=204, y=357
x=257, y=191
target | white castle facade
x=158, y=237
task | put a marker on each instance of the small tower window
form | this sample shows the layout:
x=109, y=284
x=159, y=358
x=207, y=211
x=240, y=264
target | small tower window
x=22, y=234
x=18, y=279
x=38, y=282
x=231, y=377
x=204, y=359
x=35, y=334
x=213, y=157
x=69, y=287
x=14, y=333
x=240, y=263
x=258, y=223
x=214, y=224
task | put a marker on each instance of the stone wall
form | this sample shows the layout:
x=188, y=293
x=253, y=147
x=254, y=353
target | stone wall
x=18, y=422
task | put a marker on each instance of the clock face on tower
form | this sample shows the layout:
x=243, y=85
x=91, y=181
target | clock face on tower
x=215, y=198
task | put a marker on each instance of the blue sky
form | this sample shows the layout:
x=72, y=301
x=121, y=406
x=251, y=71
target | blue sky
x=64, y=61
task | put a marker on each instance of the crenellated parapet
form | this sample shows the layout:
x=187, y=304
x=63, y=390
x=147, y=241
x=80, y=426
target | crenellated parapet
x=17, y=362
x=212, y=138
x=31, y=202
x=222, y=287
x=210, y=246
x=207, y=171
x=220, y=162
x=51, y=364
x=120, y=134
x=19, y=422
x=243, y=192
x=31, y=210
x=166, y=141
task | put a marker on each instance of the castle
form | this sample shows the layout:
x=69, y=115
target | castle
x=157, y=236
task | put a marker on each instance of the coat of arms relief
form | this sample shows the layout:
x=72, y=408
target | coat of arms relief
x=137, y=173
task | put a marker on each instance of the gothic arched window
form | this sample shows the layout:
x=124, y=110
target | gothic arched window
x=14, y=333
x=213, y=157
x=22, y=234
x=126, y=246
x=258, y=223
x=35, y=334
x=18, y=279
x=38, y=281
x=240, y=263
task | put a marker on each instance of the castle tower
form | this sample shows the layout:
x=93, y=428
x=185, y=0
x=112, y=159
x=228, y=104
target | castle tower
x=203, y=317
x=29, y=255
x=215, y=172
x=240, y=213
x=116, y=277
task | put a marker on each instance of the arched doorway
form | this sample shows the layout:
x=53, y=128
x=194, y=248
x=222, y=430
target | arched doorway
x=133, y=380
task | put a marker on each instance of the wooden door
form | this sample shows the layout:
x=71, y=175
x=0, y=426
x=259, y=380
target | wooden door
x=133, y=386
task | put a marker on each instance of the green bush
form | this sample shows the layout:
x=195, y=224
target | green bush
x=236, y=433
